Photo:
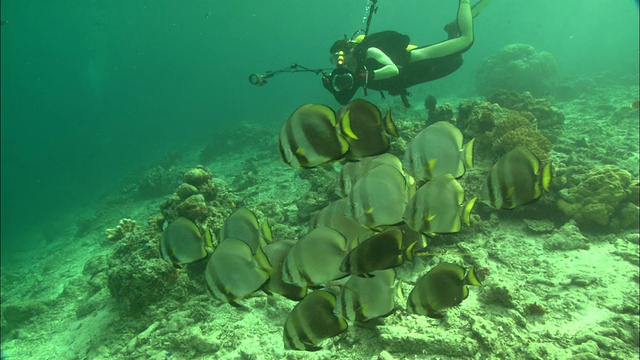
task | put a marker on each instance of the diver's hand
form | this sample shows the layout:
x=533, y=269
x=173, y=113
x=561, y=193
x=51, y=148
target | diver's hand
x=366, y=76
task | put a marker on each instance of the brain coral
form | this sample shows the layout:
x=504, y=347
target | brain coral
x=601, y=198
x=516, y=67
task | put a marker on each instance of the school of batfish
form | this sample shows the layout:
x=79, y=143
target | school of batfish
x=386, y=209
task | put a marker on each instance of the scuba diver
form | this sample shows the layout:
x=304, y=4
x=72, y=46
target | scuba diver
x=386, y=61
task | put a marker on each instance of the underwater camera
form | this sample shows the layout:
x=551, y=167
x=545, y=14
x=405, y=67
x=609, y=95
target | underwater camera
x=342, y=79
x=257, y=79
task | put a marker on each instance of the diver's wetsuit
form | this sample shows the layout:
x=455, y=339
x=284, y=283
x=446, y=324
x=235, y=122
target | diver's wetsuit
x=417, y=65
x=411, y=73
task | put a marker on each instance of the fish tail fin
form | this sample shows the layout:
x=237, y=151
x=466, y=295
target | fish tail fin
x=466, y=211
x=389, y=127
x=472, y=278
x=467, y=151
x=546, y=176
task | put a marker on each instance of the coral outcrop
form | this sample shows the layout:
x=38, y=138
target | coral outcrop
x=603, y=198
x=516, y=67
x=125, y=226
x=444, y=112
x=547, y=116
x=200, y=198
x=498, y=130
x=137, y=277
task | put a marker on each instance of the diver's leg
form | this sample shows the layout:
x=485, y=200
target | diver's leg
x=451, y=46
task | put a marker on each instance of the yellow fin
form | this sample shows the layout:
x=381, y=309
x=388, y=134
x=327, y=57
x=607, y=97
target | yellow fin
x=467, y=151
x=466, y=213
x=431, y=163
x=546, y=177
x=428, y=217
x=411, y=47
x=369, y=211
x=300, y=152
x=465, y=292
x=472, y=278
x=389, y=127
x=408, y=252
x=345, y=125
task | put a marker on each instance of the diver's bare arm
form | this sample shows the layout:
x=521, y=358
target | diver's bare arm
x=451, y=46
x=388, y=70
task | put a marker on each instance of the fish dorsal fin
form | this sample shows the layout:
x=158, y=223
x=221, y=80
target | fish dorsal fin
x=389, y=127
x=345, y=125
x=431, y=163
x=300, y=151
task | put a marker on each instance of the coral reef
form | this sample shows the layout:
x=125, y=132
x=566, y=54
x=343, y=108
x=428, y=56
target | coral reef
x=518, y=131
x=322, y=181
x=476, y=117
x=604, y=197
x=568, y=237
x=539, y=226
x=200, y=198
x=125, y=226
x=156, y=181
x=547, y=116
x=498, y=130
x=444, y=112
x=138, y=278
x=197, y=176
x=516, y=67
